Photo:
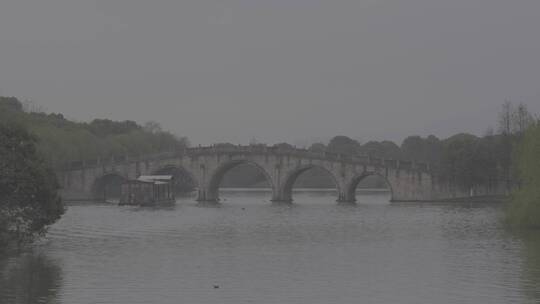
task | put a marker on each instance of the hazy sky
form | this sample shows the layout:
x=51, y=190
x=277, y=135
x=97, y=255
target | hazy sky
x=275, y=70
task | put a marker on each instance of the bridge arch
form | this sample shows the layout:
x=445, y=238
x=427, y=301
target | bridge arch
x=184, y=180
x=290, y=179
x=211, y=191
x=408, y=181
x=108, y=186
x=350, y=190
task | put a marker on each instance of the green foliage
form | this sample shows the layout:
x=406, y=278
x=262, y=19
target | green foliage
x=384, y=149
x=524, y=209
x=428, y=149
x=10, y=104
x=28, y=188
x=344, y=145
x=459, y=160
x=61, y=140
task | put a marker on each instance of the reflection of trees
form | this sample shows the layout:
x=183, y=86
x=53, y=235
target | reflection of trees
x=29, y=278
x=531, y=266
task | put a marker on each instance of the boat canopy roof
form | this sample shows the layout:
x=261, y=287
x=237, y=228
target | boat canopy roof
x=155, y=178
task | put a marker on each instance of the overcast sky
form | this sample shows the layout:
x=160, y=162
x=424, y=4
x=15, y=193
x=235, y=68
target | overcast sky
x=275, y=70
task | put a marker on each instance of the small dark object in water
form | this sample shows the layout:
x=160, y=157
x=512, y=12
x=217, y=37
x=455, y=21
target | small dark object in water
x=216, y=286
x=243, y=208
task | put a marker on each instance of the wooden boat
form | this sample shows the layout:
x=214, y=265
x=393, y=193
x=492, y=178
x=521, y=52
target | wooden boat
x=148, y=190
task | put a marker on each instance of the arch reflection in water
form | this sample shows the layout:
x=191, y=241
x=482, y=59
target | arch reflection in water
x=313, y=177
x=292, y=177
x=239, y=174
x=368, y=181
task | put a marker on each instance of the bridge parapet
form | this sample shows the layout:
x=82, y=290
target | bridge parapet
x=115, y=160
x=263, y=149
x=251, y=149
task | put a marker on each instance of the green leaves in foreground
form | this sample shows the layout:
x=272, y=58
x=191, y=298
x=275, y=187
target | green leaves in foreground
x=28, y=188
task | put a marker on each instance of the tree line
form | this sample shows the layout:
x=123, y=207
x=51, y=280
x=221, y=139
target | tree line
x=61, y=140
x=464, y=160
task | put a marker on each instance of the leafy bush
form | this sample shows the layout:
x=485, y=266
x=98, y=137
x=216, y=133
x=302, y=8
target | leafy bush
x=524, y=209
x=28, y=188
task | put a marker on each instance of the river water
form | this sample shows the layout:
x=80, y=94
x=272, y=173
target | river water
x=248, y=250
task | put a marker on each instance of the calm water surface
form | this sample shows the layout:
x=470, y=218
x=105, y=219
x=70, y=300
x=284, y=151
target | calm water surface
x=314, y=251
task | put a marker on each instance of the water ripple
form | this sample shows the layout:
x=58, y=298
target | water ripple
x=248, y=250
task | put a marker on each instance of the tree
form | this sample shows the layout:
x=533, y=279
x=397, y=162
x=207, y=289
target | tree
x=505, y=118
x=385, y=149
x=512, y=123
x=391, y=150
x=373, y=148
x=433, y=148
x=522, y=119
x=525, y=205
x=344, y=145
x=10, y=104
x=413, y=148
x=459, y=158
x=28, y=188
x=152, y=127
x=514, y=120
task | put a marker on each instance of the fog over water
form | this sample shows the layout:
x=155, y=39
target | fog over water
x=231, y=70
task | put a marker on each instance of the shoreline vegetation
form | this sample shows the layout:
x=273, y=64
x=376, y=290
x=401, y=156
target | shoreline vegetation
x=524, y=208
x=29, y=200
x=33, y=142
x=61, y=140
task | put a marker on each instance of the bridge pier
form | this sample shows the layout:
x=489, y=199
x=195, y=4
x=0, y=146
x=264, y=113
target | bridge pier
x=344, y=198
x=203, y=195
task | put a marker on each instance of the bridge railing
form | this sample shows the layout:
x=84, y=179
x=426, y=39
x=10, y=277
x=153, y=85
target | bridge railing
x=116, y=160
x=265, y=149
x=251, y=149
x=362, y=159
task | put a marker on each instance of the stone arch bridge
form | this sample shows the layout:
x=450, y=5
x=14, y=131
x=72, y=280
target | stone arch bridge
x=206, y=166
